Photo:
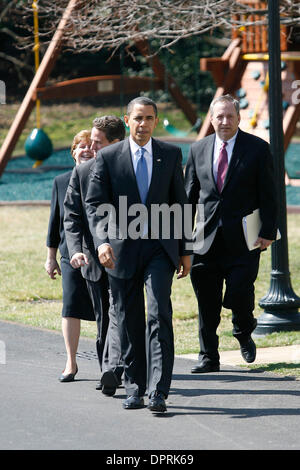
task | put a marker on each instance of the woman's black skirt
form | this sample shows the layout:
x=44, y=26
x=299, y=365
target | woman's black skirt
x=76, y=299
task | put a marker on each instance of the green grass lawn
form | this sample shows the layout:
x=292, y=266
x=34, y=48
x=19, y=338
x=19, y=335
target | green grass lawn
x=29, y=296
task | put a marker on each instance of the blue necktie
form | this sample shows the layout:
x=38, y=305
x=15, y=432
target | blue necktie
x=142, y=175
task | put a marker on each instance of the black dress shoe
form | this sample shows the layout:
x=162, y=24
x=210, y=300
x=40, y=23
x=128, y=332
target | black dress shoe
x=203, y=367
x=248, y=350
x=133, y=402
x=109, y=382
x=157, y=402
x=68, y=377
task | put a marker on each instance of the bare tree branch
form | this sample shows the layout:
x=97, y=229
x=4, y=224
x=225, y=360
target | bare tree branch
x=11, y=33
x=110, y=24
x=6, y=9
x=18, y=63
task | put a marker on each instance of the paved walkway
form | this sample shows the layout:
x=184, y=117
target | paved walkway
x=235, y=409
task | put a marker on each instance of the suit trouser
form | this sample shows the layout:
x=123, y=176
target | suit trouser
x=99, y=294
x=208, y=273
x=147, y=346
x=112, y=357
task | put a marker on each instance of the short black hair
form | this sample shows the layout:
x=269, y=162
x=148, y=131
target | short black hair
x=112, y=126
x=143, y=100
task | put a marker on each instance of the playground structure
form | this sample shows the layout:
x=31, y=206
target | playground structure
x=88, y=86
x=241, y=71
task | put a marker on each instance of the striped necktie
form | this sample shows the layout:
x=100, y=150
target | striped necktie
x=222, y=166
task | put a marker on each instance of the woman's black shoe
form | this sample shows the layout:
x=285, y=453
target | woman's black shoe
x=68, y=377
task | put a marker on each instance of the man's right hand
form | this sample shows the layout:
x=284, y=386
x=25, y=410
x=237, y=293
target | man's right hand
x=78, y=260
x=106, y=256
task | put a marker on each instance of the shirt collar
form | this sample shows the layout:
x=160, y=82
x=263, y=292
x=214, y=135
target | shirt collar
x=134, y=146
x=219, y=141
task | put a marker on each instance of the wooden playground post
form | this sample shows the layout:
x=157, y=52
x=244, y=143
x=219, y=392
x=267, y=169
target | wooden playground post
x=39, y=80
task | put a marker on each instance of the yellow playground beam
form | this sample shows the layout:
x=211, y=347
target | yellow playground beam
x=261, y=56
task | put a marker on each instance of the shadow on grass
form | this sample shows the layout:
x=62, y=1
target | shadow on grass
x=277, y=367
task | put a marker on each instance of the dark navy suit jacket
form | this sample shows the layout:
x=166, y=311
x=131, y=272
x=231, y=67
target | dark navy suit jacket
x=249, y=184
x=113, y=176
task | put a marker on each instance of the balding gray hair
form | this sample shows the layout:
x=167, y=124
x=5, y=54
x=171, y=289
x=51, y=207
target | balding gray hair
x=227, y=99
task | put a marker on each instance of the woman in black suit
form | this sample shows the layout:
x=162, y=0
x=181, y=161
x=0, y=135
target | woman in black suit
x=77, y=304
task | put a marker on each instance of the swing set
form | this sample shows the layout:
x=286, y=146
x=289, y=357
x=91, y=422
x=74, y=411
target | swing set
x=38, y=145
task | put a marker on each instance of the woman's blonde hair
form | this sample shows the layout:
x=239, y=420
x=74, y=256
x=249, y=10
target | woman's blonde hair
x=84, y=135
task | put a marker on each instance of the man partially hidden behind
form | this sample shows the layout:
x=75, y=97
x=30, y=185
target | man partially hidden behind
x=230, y=172
x=146, y=172
x=106, y=131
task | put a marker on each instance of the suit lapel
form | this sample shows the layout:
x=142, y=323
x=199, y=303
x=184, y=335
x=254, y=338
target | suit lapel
x=125, y=159
x=156, y=167
x=125, y=166
x=208, y=153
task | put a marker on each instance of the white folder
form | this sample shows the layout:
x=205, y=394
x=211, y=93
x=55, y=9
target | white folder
x=251, y=227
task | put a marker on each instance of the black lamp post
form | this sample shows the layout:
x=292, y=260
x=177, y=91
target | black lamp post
x=280, y=304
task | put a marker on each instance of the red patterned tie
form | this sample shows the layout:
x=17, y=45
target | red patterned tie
x=222, y=166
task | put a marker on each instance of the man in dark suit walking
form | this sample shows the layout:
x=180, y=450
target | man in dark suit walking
x=230, y=174
x=144, y=174
x=106, y=131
